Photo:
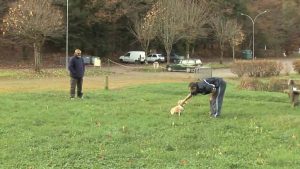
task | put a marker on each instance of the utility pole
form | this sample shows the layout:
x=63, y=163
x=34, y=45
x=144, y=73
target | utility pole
x=67, y=37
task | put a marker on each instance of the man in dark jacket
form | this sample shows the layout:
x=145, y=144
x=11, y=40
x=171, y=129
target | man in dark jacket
x=214, y=86
x=76, y=68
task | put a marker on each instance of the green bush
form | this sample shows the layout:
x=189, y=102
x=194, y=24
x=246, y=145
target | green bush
x=296, y=65
x=256, y=68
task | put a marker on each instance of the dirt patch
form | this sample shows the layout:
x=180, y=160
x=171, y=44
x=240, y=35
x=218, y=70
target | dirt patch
x=120, y=78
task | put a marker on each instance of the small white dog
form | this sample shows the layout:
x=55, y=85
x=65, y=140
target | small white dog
x=179, y=108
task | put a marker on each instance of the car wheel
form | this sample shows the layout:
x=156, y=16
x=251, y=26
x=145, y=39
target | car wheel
x=188, y=70
x=169, y=69
x=121, y=60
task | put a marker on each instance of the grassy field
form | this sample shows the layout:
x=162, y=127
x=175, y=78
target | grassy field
x=132, y=128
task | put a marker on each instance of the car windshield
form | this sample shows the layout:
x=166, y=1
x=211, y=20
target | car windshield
x=188, y=62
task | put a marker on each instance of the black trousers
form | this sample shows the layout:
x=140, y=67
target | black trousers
x=76, y=82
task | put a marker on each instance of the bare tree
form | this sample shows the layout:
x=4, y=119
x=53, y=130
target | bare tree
x=32, y=21
x=170, y=23
x=221, y=27
x=196, y=15
x=144, y=29
x=235, y=35
x=3, y=9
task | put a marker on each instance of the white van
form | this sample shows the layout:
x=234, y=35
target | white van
x=133, y=57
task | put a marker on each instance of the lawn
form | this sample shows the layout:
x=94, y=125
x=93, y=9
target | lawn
x=132, y=128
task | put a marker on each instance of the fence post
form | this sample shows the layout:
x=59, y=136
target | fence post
x=106, y=82
x=106, y=77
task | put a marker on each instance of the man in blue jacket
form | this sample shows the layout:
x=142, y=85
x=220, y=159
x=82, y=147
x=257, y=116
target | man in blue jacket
x=76, y=68
x=214, y=86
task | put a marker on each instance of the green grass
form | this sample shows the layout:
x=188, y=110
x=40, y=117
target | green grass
x=132, y=128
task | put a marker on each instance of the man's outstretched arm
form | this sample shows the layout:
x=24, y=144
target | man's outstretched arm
x=182, y=102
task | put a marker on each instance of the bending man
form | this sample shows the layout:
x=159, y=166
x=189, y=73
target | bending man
x=214, y=86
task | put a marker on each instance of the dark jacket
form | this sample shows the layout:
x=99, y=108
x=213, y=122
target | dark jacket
x=206, y=86
x=76, y=67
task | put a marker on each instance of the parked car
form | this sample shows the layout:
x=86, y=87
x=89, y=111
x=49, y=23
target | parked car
x=187, y=65
x=133, y=57
x=174, y=57
x=155, y=58
x=88, y=60
x=93, y=59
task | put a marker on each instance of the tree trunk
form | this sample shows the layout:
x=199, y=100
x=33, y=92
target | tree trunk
x=187, y=43
x=221, y=50
x=146, y=56
x=145, y=46
x=193, y=50
x=37, y=56
x=221, y=57
x=168, y=56
x=168, y=48
x=233, y=53
x=24, y=53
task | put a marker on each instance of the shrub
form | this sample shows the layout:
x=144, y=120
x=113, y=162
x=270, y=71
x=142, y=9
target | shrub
x=240, y=68
x=277, y=85
x=273, y=85
x=286, y=69
x=250, y=83
x=296, y=65
x=257, y=68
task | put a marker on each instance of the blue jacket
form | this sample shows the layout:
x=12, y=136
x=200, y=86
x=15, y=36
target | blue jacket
x=206, y=86
x=76, y=67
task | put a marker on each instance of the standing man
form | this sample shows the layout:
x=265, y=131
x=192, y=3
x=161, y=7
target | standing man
x=76, y=68
x=215, y=86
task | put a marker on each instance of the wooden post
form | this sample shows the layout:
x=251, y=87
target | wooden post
x=106, y=82
x=106, y=77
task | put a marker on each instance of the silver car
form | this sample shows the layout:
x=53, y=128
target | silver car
x=155, y=58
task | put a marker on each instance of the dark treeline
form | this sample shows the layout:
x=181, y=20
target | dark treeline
x=101, y=27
